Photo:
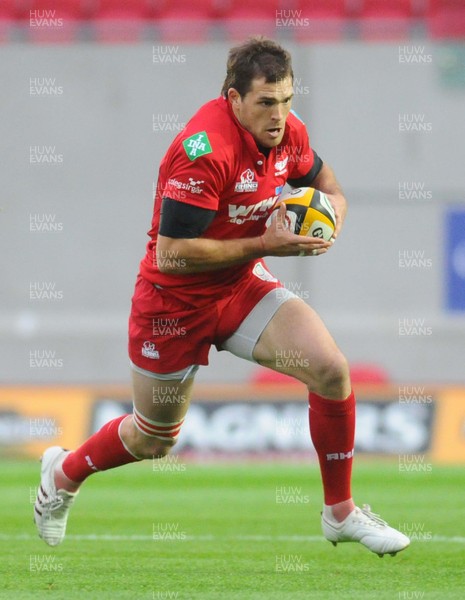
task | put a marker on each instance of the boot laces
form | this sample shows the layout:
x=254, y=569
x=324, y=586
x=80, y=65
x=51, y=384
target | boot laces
x=377, y=520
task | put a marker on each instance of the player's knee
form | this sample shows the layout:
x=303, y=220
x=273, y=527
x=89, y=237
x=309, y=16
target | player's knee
x=145, y=446
x=156, y=448
x=153, y=439
x=332, y=376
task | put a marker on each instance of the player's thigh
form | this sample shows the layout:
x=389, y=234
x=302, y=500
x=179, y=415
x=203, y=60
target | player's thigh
x=165, y=401
x=296, y=342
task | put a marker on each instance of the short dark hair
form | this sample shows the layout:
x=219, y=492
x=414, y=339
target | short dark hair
x=256, y=58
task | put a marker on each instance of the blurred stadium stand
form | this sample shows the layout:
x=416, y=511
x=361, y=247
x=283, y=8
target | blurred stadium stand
x=381, y=20
x=325, y=20
x=120, y=21
x=360, y=373
x=187, y=21
x=243, y=18
x=446, y=19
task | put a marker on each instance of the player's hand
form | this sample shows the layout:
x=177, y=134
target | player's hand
x=339, y=203
x=279, y=241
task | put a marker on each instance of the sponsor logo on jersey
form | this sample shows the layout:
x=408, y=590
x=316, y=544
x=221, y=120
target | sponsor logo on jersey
x=149, y=350
x=260, y=272
x=281, y=165
x=193, y=186
x=239, y=213
x=247, y=183
x=197, y=145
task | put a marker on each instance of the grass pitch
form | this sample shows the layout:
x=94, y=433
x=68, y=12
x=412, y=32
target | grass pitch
x=232, y=532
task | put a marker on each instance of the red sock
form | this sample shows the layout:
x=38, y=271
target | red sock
x=104, y=450
x=332, y=428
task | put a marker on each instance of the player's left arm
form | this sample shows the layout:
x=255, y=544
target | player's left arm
x=320, y=176
x=326, y=182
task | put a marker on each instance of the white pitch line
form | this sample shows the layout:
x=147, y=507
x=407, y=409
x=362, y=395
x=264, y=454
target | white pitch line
x=210, y=538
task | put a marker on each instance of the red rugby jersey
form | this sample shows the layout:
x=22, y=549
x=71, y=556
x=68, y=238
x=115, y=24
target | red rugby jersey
x=215, y=163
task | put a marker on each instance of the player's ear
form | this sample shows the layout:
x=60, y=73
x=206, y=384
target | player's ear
x=234, y=97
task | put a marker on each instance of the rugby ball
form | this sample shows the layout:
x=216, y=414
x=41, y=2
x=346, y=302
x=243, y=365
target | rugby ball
x=309, y=213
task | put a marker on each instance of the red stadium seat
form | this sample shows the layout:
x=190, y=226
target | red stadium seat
x=382, y=20
x=10, y=10
x=368, y=373
x=263, y=376
x=446, y=19
x=322, y=9
x=386, y=8
x=120, y=21
x=318, y=20
x=55, y=22
x=420, y=8
x=243, y=18
x=186, y=20
x=8, y=16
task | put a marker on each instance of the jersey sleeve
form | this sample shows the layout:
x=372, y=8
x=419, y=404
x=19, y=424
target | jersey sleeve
x=302, y=156
x=307, y=179
x=182, y=220
x=196, y=170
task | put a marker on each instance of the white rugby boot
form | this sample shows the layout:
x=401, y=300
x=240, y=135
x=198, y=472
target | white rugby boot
x=52, y=506
x=363, y=526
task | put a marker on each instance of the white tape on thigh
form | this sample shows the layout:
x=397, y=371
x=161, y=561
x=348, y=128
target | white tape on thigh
x=182, y=375
x=243, y=340
x=163, y=431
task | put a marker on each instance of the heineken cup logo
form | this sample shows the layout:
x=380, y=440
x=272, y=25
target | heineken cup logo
x=197, y=145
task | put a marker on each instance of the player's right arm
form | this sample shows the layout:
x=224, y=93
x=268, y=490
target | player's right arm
x=180, y=238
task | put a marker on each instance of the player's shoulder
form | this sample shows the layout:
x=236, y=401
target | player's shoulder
x=295, y=122
x=209, y=133
x=214, y=114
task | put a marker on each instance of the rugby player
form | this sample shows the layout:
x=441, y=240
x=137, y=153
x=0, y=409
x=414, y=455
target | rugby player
x=218, y=183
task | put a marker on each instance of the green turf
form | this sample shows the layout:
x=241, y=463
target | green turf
x=235, y=541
